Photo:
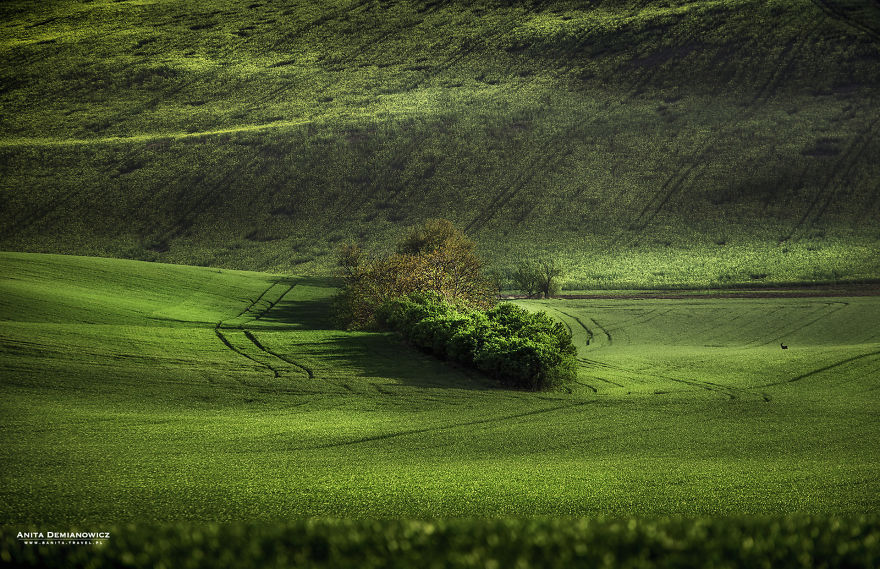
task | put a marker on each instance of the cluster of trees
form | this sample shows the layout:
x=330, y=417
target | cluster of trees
x=432, y=257
x=521, y=349
x=433, y=291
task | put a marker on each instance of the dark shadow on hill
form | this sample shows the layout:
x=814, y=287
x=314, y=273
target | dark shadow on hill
x=365, y=356
x=385, y=356
x=315, y=313
x=307, y=314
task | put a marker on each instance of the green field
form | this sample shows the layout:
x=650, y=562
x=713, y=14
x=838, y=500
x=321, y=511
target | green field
x=178, y=176
x=142, y=391
x=642, y=143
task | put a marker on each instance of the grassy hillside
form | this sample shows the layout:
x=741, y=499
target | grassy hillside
x=644, y=143
x=137, y=391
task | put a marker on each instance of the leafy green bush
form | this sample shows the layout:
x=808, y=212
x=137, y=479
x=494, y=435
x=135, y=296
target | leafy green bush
x=521, y=349
x=783, y=542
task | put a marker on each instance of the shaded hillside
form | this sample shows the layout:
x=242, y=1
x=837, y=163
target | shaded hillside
x=646, y=143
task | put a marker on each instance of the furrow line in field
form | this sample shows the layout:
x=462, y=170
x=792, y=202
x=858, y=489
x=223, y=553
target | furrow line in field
x=229, y=345
x=836, y=13
x=250, y=336
x=449, y=426
x=823, y=369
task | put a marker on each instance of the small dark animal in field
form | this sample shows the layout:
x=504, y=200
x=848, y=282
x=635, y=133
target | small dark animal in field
x=783, y=346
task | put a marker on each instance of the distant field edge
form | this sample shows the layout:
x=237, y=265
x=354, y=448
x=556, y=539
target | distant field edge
x=779, y=542
x=801, y=290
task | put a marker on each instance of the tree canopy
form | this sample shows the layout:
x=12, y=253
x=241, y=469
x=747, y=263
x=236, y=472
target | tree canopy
x=433, y=257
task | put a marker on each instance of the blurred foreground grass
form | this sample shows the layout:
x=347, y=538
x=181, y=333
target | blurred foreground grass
x=780, y=542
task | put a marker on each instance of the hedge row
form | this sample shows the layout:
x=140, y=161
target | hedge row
x=781, y=543
x=522, y=349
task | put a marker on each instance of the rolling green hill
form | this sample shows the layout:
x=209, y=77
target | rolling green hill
x=151, y=392
x=644, y=143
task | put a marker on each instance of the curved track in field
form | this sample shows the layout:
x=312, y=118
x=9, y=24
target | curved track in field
x=265, y=357
x=728, y=346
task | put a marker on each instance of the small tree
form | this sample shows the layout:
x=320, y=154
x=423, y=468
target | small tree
x=433, y=257
x=549, y=276
x=541, y=277
x=525, y=278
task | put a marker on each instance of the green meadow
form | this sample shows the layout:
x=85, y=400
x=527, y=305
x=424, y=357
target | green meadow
x=138, y=391
x=177, y=177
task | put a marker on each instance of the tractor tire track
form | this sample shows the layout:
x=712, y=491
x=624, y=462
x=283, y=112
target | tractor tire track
x=835, y=13
x=259, y=298
x=250, y=336
x=587, y=385
x=604, y=331
x=721, y=390
x=582, y=325
x=275, y=373
x=608, y=381
x=447, y=427
x=828, y=189
x=823, y=369
x=274, y=302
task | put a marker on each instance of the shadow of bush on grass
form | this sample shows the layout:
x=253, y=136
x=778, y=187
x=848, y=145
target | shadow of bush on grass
x=343, y=357
x=370, y=356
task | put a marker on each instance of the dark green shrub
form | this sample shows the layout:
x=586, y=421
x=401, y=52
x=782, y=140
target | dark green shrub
x=468, y=339
x=519, y=348
x=402, y=313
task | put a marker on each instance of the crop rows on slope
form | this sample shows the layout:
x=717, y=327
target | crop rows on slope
x=833, y=10
x=690, y=168
x=834, y=183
